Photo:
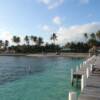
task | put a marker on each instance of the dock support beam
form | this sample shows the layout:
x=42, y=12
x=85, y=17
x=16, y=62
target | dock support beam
x=72, y=76
x=72, y=96
x=87, y=72
x=91, y=67
x=83, y=82
x=80, y=66
x=84, y=63
x=77, y=69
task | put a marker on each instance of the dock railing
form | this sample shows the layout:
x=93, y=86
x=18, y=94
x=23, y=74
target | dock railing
x=82, y=72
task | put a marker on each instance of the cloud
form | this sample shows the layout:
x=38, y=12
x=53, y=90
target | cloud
x=6, y=36
x=57, y=20
x=51, y=3
x=9, y=36
x=84, y=1
x=65, y=34
x=46, y=28
x=76, y=32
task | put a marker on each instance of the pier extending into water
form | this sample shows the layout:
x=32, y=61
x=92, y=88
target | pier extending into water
x=88, y=74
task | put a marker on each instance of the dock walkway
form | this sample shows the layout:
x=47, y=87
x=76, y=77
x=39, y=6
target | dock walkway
x=91, y=90
x=89, y=75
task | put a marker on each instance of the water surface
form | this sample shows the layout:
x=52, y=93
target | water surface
x=28, y=78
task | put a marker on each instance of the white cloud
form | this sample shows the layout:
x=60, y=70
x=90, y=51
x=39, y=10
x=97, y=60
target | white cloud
x=46, y=28
x=9, y=36
x=57, y=20
x=51, y=3
x=65, y=34
x=75, y=33
x=6, y=36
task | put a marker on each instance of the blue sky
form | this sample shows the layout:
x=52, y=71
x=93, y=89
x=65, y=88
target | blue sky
x=43, y=17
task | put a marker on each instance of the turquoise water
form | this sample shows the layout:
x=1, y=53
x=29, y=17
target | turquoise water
x=27, y=78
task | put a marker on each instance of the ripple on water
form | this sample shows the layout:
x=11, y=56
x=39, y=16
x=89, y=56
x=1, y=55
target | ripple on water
x=27, y=78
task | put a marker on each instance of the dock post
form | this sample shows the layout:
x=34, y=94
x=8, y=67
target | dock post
x=72, y=96
x=77, y=68
x=87, y=72
x=72, y=76
x=84, y=63
x=83, y=82
x=80, y=66
x=91, y=68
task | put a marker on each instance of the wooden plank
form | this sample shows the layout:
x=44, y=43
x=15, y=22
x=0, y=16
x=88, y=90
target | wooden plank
x=85, y=97
x=92, y=89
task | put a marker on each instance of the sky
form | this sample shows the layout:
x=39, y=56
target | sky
x=70, y=19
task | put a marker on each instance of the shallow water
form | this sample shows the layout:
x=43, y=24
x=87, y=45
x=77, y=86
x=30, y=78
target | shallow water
x=28, y=78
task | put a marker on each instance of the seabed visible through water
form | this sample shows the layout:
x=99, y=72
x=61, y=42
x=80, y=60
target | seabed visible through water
x=28, y=78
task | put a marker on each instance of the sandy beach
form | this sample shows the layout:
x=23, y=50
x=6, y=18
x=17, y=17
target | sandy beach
x=82, y=55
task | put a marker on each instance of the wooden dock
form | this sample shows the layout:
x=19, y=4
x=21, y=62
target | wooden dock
x=92, y=89
x=91, y=82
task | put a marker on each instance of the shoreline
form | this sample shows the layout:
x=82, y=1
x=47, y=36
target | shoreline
x=74, y=55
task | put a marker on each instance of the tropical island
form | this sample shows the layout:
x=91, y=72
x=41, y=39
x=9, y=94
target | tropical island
x=36, y=45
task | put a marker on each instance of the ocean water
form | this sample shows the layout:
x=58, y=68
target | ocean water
x=29, y=78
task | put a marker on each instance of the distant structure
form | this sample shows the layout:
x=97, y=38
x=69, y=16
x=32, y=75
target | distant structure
x=93, y=51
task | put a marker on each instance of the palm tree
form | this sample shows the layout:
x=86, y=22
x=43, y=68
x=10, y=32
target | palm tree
x=92, y=42
x=1, y=44
x=54, y=37
x=93, y=36
x=6, y=44
x=26, y=39
x=40, y=41
x=16, y=39
x=98, y=34
x=34, y=39
x=86, y=36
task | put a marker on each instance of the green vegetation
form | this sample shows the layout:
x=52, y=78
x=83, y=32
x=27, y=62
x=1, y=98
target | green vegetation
x=34, y=44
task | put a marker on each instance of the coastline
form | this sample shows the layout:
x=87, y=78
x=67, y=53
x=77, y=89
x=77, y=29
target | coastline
x=74, y=55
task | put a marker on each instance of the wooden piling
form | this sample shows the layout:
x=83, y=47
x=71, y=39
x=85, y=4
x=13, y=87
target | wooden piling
x=72, y=76
x=87, y=72
x=83, y=82
x=72, y=96
x=77, y=68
